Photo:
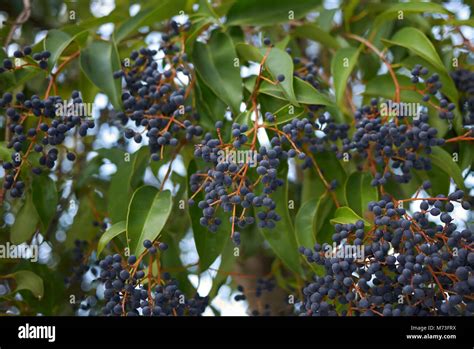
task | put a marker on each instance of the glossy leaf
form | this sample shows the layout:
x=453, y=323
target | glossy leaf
x=215, y=65
x=266, y=12
x=99, y=60
x=304, y=223
x=27, y=280
x=147, y=214
x=112, y=232
x=149, y=15
x=359, y=192
x=305, y=93
x=56, y=42
x=315, y=33
x=324, y=211
x=45, y=198
x=279, y=62
x=26, y=222
x=407, y=8
x=127, y=178
x=227, y=262
x=282, y=238
x=445, y=162
x=331, y=169
x=82, y=227
x=342, y=65
x=345, y=215
x=417, y=42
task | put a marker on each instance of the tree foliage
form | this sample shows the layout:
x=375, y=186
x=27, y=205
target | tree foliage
x=111, y=196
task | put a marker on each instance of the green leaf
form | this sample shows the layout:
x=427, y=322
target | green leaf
x=407, y=8
x=312, y=185
x=444, y=161
x=198, y=26
x=244, y=118
x=282, y=238
x=369, y=66
x=326, y=18
x=417, y=42
x=322, y=227
x=439, y=179
x=209, y=106
x=26, y=222
x=345, y=215
x=403, y=190
x=27, y=280
x=227, y=261
x=10, y=80
x=467, y=155
x=5, y=153
x=99, y=60
x=279, y=62
x=348, y=11
x=82, y=227
x=88, y=90
x=147, y=215
x=113, y=231
x=382, y=86
x=171, y=260
x=342, y=65
x=45, y=198
x=94, y=22
x=127, y=178
x=56, y=42
x=156, y=12
x=283, y=114
x=304, y=223
x=359, y=192
x=315, y=33
x=214, y=63
x=331, y=169
x=267, y=12
x=248, y=52
x=305, y=93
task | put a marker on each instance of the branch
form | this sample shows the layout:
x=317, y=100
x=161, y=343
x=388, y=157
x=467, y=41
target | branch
x=22, y=18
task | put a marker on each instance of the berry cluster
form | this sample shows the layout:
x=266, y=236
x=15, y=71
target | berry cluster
x=54, y=123
x=316, y=134
x=464, y=80
x=263, y=285
x=155, y=95
x=126, y=294
x=228, y=184
x=79, y=260
x=125, y=287
x=405, y=264
x=392, y=147
x=306, y=69
x=26, y=57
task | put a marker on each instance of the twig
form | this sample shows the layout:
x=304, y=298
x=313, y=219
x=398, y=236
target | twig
x=22, y=18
